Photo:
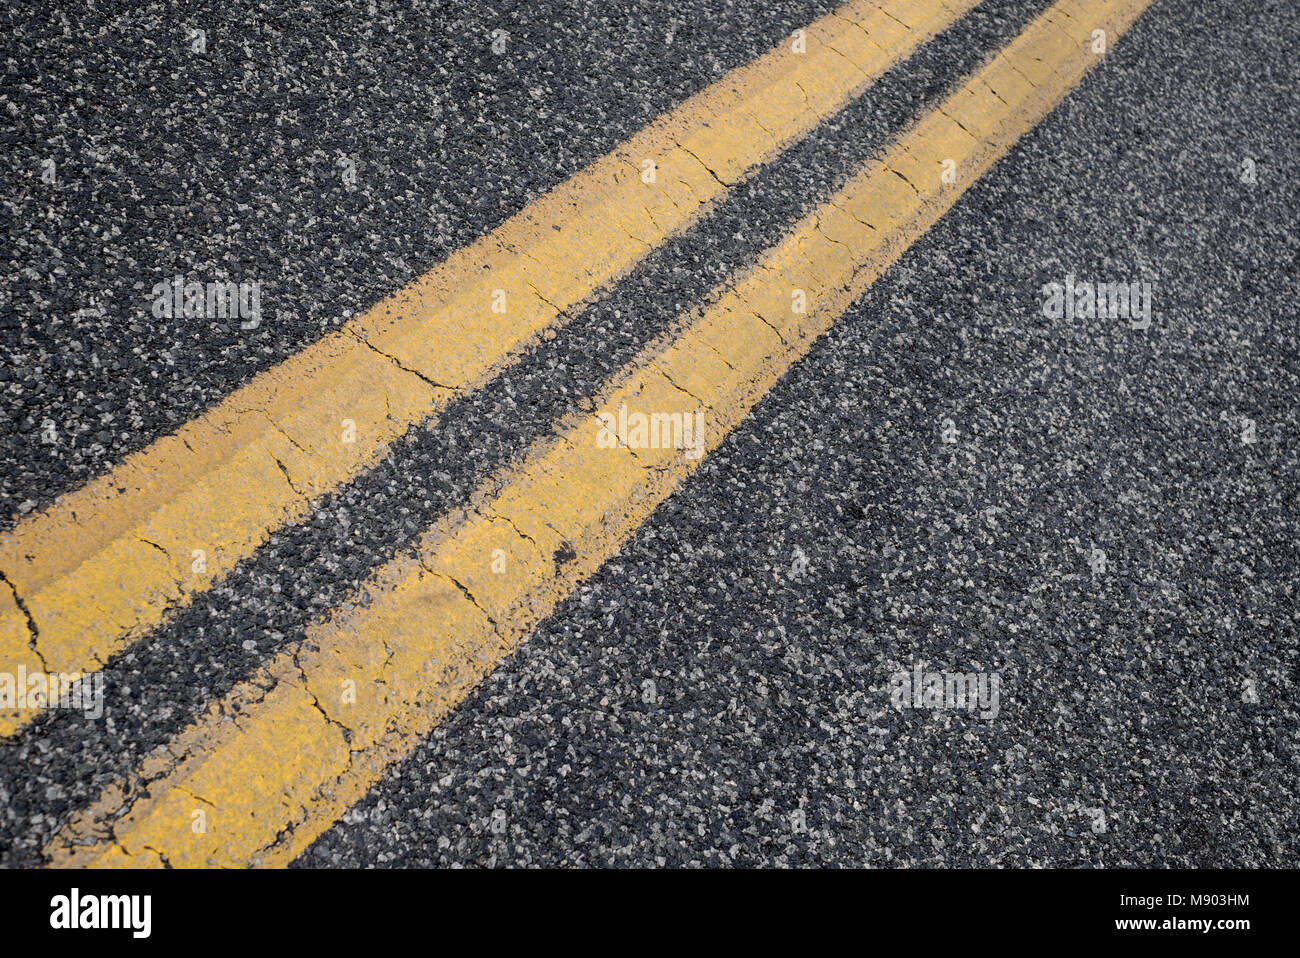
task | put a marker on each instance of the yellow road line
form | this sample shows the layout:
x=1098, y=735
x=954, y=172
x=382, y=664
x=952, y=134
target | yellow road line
x=111, y=561
x=281, y=758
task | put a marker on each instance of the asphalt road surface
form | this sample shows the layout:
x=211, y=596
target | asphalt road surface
x=1096, y=516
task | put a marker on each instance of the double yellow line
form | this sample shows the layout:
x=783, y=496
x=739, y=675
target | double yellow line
x=283, y=755
x=109, y=562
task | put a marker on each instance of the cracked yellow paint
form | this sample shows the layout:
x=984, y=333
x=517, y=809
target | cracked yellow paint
x=275, y=768
x=111, y=561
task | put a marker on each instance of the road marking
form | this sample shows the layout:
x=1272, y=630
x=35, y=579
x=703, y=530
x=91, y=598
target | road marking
x=109, y=562
x=281, y=758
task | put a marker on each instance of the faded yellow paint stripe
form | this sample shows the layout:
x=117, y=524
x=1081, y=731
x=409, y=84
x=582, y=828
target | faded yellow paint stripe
x=111, y=561
x=281, y=758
